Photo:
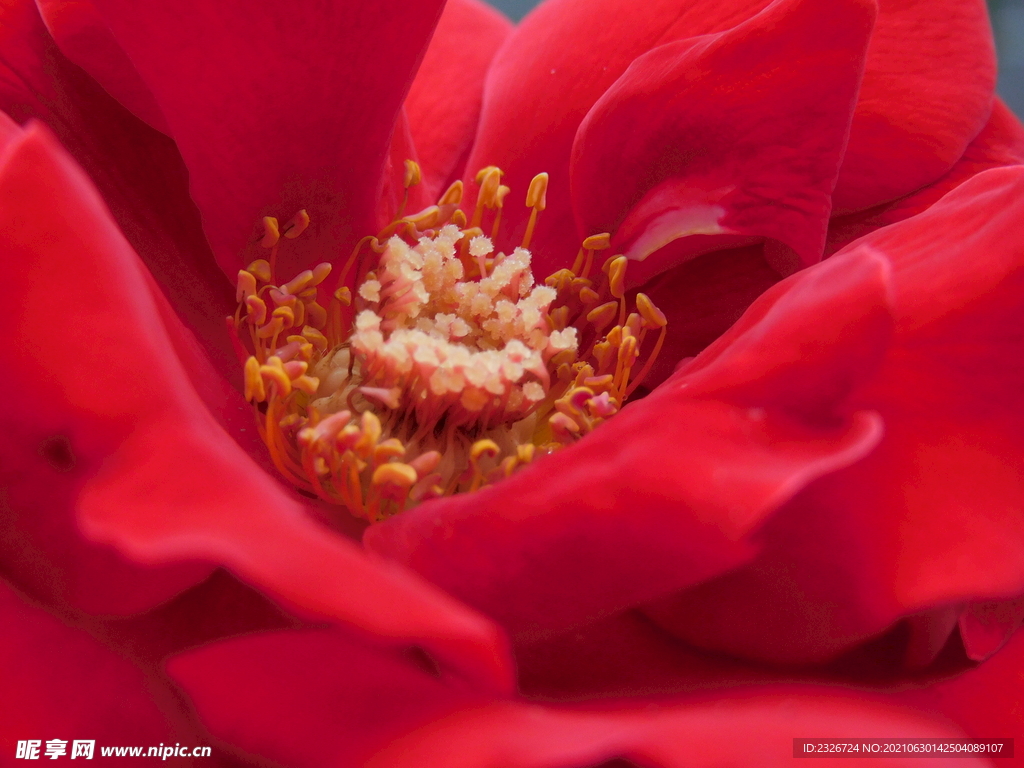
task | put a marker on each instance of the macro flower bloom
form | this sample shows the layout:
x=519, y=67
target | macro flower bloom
x=806, y=523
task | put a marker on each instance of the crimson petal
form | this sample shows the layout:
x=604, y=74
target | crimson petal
x=665, y=494
x=927, y=92
x=700, y=137
x=61, y=683
x=931, y=519
x=455, y=64
x=292, y=107
x=148, y=469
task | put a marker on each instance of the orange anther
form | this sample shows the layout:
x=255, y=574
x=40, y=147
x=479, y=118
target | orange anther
x=296, y=225
x=271, y=233
x=307, y=384
x=286, y=315
x=295, y=368
x=395, y=474
x=273, y=373
x=298, y=283
x=260, y=268
x=588, y=296
x=428, y=217
x=254, y=389
x=617, y=276
x=600, y=316
x=316, y=316
x=537, y=194
x=413, y=174
x=452, y=195
x=459, y=218
x=271, y=329
x=316, y=339
x=392, y=448
x=344, y=295
x=653, y=317
x=598, y=242
x=481, y=449
x=426, y=463
x=246, y=285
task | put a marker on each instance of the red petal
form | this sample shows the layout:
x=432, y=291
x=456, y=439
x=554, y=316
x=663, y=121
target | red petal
x=743, y=729
x=61, y=683
x=84, y=38
x=987, y=627
x=927, y=92
x=702, y=298
x=135, y=429
x=556, y=63
x=664, y=494
x=445, y=98
x=298, y=696
x=1000, y=143
x=288, y=108
x=749, y=167
x=137, y=170
x=987, y=702
x=932, y=517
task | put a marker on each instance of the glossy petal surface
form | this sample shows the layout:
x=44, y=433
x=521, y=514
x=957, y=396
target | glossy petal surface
x=125, y=417
x=615, y=517
x=932, y=517
x=697, y=138
x=311, y=92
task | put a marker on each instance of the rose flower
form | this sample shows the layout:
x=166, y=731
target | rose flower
x=320, y=447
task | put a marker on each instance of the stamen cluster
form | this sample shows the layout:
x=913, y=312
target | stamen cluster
x=447, y=370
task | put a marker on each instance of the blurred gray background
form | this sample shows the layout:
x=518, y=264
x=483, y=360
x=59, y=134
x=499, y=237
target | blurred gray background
x=1007, y=19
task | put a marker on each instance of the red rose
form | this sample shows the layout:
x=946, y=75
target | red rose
x=809, y=527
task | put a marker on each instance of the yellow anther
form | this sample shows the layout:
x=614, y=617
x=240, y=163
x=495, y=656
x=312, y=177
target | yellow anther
x=598, y=242
x=298, y=283
x=246, y=285
x=271, y=234
x=483, y=449
x=617, y=276
x=601, y=316
x=487, y=171
x=307, y=384
x=559, y=317
x=426, y=463
x=452, y=195
x=564, y=427
x=271, y=329
x=560, y=280
x=273, y=373
x=525, y=452
x=589, y=296
x=392, y=448
x=413, y=175
x=286, y=315
x=394, y=473
x=628, y=352
x=653, y=316
x=316, y=339
x=305, y=349
x=537, y=194
x=425, y=219
x=371, y=432
x=614, y=336
x=316, y=315
x=320, y=272
x=489, y=179
x=599, y=383
x=254, y=389
x=296, y=225
x=295, y=368
x=260, y=268
x=500, y=194
x=344, y=295
x=459, y=218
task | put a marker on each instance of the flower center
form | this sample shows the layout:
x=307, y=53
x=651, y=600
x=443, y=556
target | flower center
x=448, y=369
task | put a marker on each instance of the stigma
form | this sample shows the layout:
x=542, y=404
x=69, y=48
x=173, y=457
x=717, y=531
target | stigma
x=431, y=363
